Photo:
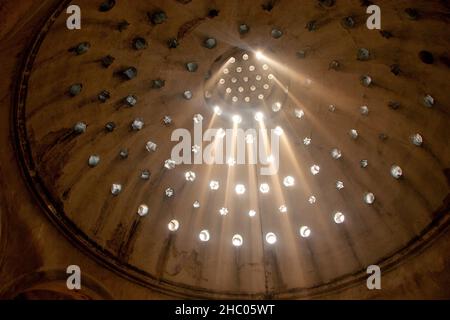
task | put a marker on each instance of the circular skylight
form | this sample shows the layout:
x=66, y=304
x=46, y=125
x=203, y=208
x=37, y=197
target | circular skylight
x=142, y=210
x=305, y=232
x=214, y=185
x=173, y=225
x=288, y=181
x=204, y=235
x=237, y=240
x=264, y=188
x=271, y=238
x=240, y=189
x=339, y=217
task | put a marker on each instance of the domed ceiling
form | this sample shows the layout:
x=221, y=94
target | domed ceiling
x=361, y=116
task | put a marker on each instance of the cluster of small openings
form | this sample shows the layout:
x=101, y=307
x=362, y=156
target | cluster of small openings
x=244, y=78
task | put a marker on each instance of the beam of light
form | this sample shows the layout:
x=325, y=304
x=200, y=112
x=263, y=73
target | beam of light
x=273, y=223
x=259, y=55
x=298, y=105
x=279, y=131
x=275, y=186
x=217, y=110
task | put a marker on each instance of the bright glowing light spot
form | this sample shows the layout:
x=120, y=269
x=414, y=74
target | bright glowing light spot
x=288, y=181
x=228, y=90
x=232, y=60
x=245, y=56
x=214, y=185
x=417, y=139
x=198, y=118
x=353, y=133
x=252, y=88
x=116, y=189
x=231, y=162
x=339, y=185
x=307, y=141
x=169, y=164
x=251, y=213
x=270, y=159
x=270, y=77
x=151, y=146
x=204, y=235
x=396, y=171
x=247, y=99
x=312, y=200
x=299, y=113
x=239, y=69
x=142, y=210
x=265, y=67
x=261, y=97
x=258, y=77
x=196, y=204
x=173, y=225
x=190, y=176
x=339, y=217
x=223, y=211
x=249, y=138
x=237, y=119
x=234, y=80
x=278, y=131
x=336, y=153
x=222, y=81
x=315, y=169
x=241, y=89
x=266, y=86
x=264, y=188
x=240, y=189
x=282, y=209
x=369, y=198
x=221, y=133
x=305, y=231
x=237, y=240
x=271, y=238
x=251, y=68
x=226, y=71
x=259, y=55
x=276, y=106
x=234, y=99
x=259, y=116
x=217, y=110
x=245, y=79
